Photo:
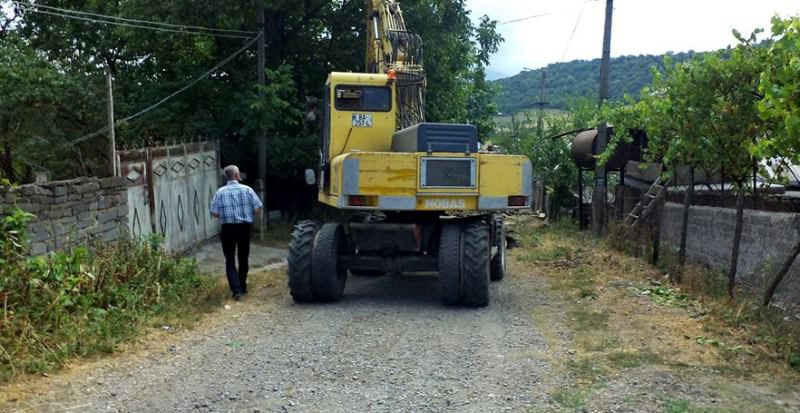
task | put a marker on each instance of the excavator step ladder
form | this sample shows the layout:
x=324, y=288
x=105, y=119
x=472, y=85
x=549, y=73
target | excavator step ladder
x=646, y=205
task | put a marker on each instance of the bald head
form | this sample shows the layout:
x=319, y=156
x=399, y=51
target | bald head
x=232, y=173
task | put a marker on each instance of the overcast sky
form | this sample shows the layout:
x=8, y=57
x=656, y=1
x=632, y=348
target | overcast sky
x=639, y=27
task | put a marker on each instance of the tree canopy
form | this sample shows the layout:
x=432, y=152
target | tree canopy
x=59, y=62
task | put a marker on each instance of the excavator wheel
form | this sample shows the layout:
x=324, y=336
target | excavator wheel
x=476, y=251
x=450, y=264
x=367, y=273
x=327, y=277
x=498, y=269
x=300, y=252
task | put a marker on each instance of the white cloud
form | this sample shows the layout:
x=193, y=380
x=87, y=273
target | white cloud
x=639, y=27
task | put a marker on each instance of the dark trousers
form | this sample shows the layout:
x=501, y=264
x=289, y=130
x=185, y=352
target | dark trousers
x=236, y=236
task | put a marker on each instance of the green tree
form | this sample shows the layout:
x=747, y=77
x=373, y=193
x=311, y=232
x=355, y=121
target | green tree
x=304, y=42
x=456, y=55
x=703, y=113
x=35, y=112
x=780, y=86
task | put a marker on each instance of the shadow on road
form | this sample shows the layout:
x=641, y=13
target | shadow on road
x=409, y=290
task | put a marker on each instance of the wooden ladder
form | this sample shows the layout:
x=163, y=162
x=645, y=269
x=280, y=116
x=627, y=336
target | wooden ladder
x=646, y=205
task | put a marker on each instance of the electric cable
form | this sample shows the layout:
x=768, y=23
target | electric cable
x=107, y=17
x=559, y=64
x=172, y=95
x=522, y=19
x=138, y=26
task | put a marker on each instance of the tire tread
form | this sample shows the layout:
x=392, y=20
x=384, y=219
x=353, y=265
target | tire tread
x=450, y=264
x=299, y=260
x=475, y=265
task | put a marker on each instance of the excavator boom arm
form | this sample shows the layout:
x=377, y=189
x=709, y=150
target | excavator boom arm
x=391, y=48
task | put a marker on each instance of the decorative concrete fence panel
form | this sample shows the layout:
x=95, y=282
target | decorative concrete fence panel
x=171, y=192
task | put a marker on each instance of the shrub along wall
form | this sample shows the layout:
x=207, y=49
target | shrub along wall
x=70, y=213
x=767, y=239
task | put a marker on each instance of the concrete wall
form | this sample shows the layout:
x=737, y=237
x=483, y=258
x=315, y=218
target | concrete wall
x=170, y=191
x=72, y=212
x=767, y=239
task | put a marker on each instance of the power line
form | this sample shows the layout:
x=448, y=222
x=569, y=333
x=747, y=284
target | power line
x=138, y=26
x=522, y=19
x=172, y=95
x=574, y=29
x=107, y=17
x=569, y=43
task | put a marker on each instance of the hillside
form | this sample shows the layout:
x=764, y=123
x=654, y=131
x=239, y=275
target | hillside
x=576, y=79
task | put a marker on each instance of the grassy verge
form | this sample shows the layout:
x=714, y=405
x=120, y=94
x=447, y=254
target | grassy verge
x=89, y=300
x=627, y=321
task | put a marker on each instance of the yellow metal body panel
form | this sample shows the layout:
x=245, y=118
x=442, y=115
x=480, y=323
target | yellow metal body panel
x=364, y=174
x=501, y=175
x=391, y=181
x=344, y=137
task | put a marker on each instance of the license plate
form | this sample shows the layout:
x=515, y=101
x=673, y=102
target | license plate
x=362, y=120
x=445, y=203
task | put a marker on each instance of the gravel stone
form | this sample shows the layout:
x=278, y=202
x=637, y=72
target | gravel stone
x=388, y=346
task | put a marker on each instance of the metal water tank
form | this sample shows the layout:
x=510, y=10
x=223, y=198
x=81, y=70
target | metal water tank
x=584, y=151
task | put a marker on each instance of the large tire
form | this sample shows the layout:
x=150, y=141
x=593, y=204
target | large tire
x=327, y=277
x=300, y=252
x=450, y=264
x=498, y=266
x=367, y=273
x=475, y=256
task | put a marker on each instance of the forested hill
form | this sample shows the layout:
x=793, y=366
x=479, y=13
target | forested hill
x=576, y=79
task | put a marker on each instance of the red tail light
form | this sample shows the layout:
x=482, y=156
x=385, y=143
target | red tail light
x=357, y=200
x=517, y=201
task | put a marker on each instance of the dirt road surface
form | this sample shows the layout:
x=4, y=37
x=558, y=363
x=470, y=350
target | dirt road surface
x=390, y=346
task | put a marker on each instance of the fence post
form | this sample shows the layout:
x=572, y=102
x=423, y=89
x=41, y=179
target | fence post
x=687, y=203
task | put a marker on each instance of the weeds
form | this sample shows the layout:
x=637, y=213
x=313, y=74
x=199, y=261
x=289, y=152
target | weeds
x=663, y=295
x=578, y=265
x=584, y=320
x=569, y=399
x=627, y=360
x=85, y=301
x=762, y=329
x=677, y=406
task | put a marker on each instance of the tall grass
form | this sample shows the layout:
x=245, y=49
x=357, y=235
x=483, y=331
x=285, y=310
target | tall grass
x=84, y=301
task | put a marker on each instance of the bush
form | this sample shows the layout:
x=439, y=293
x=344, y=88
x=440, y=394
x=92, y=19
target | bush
x=84, y=301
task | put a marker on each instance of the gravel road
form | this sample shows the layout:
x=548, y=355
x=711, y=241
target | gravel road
x=388, y=346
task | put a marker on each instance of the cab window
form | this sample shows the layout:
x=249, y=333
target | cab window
x=363, y=98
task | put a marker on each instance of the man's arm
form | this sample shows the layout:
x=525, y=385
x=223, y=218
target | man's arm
x=257, y=205
x=215, y=206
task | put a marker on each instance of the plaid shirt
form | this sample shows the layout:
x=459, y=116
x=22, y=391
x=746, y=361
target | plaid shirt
x=234, y=203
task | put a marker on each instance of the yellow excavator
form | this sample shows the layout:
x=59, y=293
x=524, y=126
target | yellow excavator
x=424, y=197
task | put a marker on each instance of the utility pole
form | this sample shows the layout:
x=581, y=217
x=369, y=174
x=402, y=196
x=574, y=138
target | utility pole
x=261, y=137
x=112, y=139
x=541, y=103
x=514, y=134
x=600, y=194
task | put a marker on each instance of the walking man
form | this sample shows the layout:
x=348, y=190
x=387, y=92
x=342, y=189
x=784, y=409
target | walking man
x=235, y=205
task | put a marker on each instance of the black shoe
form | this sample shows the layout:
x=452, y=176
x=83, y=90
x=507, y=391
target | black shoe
x=237, y=296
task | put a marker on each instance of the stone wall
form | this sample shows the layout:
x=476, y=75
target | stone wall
x=72, y=212
x=767, y=239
